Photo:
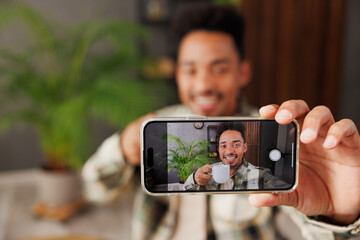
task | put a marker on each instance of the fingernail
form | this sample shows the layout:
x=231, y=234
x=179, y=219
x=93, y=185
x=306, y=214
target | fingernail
x=266, y=108
x=262, y=110
x=283, y=116
x=330, y=142
x=307, y=135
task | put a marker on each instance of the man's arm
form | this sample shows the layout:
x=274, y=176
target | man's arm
x=106, y=174
x=200, y=177
x=109, y=171
x=190, y=183
x=116, y=159
x=130, y=140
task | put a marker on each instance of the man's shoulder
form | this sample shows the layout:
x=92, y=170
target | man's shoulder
x=258, y=169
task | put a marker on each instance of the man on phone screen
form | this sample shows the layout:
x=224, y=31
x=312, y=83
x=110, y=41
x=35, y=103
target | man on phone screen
x=243, y=175
x=211, y=72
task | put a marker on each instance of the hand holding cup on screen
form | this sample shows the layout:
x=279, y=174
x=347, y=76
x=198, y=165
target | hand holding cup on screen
x=220, y=174
x=202, y=176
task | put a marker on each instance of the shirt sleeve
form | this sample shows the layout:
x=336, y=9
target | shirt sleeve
x=106, y=174
x=344, y=232
x=190, y=183
x=314, y=228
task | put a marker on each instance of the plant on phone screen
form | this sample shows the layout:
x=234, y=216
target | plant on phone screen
x=186, y=157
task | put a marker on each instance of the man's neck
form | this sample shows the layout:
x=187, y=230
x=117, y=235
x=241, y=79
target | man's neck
x=234, y=170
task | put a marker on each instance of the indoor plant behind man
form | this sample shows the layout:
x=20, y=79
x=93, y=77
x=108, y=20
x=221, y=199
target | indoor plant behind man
x=65, y=78
x=211, y=71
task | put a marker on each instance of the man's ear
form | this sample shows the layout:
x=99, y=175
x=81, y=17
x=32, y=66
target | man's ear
x=245, y=73
x=245, y=147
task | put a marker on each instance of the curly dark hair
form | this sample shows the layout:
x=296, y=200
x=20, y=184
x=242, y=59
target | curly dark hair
x=211, y=17
x=225, y=126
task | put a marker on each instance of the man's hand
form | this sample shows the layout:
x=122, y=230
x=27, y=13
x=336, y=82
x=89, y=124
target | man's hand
x=130, y=140
x=329, y=181
x=202, y=176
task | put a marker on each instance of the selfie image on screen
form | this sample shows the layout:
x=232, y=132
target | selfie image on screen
x=219, y=156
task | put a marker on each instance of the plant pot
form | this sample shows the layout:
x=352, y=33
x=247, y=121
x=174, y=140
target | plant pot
x=58, y=188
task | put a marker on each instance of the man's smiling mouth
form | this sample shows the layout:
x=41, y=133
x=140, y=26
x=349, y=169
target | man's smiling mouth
x=208, y=100
x=230, y=158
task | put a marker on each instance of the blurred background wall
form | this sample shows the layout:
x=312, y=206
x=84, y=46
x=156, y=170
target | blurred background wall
x=299, y=49
x=304, y=50
x=350, y=84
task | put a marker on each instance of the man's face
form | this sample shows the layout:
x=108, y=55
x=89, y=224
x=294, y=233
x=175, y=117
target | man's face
x=232, y=148
x=209, y=73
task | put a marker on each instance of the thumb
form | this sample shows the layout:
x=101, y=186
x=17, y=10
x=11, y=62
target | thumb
x=270, y=200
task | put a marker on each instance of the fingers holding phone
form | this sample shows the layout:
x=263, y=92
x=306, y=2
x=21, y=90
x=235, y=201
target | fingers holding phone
x=202, y=176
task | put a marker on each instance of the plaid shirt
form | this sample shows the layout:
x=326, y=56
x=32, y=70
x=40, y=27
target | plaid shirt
x=106, y=175
x=247, y=176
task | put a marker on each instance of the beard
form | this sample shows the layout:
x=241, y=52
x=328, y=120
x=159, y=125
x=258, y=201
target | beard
x=235, y=156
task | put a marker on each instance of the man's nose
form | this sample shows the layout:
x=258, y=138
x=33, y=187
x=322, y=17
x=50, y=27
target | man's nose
x=204, y=82
x=229, y=150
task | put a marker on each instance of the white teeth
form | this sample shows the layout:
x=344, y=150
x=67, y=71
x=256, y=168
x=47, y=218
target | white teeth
x=230, y=158
x=206, y=100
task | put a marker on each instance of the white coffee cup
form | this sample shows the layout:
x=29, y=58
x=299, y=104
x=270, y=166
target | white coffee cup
x=220, y=173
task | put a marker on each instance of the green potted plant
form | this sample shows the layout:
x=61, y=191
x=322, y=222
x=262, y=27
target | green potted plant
x=67, y=76
x=186, y=157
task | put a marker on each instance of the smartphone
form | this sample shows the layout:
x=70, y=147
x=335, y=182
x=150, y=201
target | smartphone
x=218, y=155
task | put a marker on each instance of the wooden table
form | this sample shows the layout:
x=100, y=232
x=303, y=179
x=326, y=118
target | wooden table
x=18, y=194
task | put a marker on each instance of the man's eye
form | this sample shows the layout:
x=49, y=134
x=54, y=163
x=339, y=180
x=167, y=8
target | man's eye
x=222, y=146
x=220, y=69
x=237, y=144
x=189, y=71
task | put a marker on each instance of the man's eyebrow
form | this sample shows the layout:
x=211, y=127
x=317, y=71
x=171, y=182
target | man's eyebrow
x=235, y=141
x=216, y=61
x=220, y=61
x=187, y=63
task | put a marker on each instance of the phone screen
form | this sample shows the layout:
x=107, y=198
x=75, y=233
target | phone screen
x=182, y=156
